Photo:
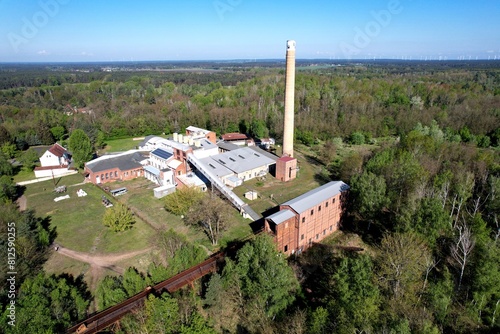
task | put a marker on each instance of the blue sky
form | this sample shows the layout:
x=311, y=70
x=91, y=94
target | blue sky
x=121, y=30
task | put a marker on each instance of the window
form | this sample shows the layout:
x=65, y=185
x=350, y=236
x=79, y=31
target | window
x=331, y=227
x=312, y=212
x=319, y=209
x=310, y=241
x=286, y=248
x=324, y=232
x=333, y=201
x=317, y=236
x=116, y=173
x=302, y=237
x=326, y=204
x=107, y=175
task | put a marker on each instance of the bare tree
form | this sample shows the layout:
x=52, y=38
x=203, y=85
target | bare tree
x=463, y=188
x=212, y=214
x=462, y=248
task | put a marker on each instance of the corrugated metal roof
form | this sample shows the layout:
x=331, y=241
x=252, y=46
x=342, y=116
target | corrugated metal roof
x=152, y=170
x=281, y=216
x=316, y=196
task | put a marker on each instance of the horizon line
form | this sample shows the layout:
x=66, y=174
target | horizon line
x=247, y=60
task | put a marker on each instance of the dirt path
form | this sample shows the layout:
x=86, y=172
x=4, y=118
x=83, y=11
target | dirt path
x=98, y=263
x=22, y=202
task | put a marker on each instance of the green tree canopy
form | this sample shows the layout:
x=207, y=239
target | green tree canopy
x=181, y=201
x=48, y=304
x=119, y=218
x=81, y=147
x=355, y=299
x=265, y=278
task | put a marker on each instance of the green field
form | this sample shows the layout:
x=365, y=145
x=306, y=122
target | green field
x=78, y=220
x=124, y=144
x=141, y=199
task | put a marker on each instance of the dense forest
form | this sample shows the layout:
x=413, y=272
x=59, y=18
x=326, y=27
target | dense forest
x=425, y=204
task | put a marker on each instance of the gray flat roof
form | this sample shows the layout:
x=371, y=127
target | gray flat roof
x=215, y=167
x=123, y=162
x=316, y=196
x=281, y=216
x=243, y=159
x=258, y=150
x=227, y=146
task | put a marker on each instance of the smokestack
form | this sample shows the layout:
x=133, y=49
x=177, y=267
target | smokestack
x=289, y=99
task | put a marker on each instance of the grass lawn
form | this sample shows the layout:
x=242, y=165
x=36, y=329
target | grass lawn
x=58, y=263
x=78, y=220
x=141, y=199
x=23, y=175
x=119, y=145
x=125, y=144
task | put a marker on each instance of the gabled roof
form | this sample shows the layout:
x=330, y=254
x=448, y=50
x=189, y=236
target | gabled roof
x=146, y=140
x=57, y=150
x=123, y=162
x=234, y=136
x=281, y=216
x=174, y=164
x=316, y=196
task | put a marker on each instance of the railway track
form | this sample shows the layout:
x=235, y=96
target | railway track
x=103, y=319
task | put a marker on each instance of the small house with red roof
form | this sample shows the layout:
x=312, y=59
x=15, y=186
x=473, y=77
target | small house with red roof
x=55, y=161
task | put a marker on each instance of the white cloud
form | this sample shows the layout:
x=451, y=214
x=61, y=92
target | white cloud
x=43, y=53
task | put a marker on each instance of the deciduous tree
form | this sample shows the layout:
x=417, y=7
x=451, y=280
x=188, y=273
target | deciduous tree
x=81, y=147
x=213, y=215
x=181, y=201
x=119, y=218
